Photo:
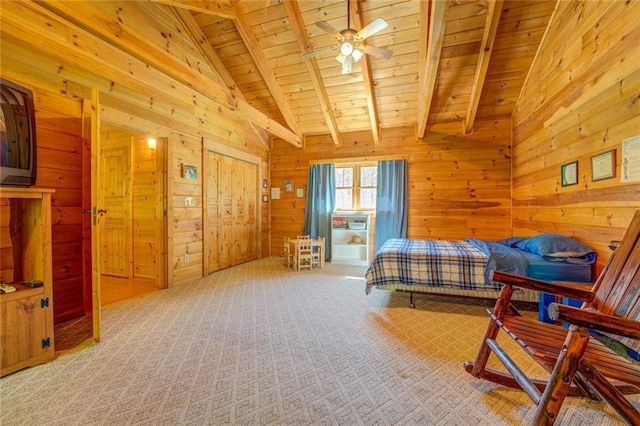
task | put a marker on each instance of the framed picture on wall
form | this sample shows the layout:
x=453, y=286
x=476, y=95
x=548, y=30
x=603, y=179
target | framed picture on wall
x=288, y=185
x=275, y=193
x=189, y=171
x=569, y=173
x=603, y=166
x=265, y=183
x=300, y=192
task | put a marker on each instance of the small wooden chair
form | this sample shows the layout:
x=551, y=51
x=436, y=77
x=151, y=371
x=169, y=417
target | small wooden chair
x=288, y=255
x=578, y=364
x=315, y=255
x=302, y=259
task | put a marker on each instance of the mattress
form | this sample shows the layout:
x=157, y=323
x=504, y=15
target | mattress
x=542, y=269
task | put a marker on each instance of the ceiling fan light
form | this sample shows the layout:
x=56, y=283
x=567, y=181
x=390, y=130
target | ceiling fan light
x=346, y=48
x=357, y=54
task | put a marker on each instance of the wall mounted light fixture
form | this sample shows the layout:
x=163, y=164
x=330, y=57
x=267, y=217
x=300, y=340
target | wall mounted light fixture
x=151, y=143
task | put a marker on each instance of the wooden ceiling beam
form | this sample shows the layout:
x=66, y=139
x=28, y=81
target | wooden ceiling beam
x=208, y=52
x=494, y=9
x=358, y=24
x=223, y=9
x=293, y=11
x=253, y=46
x=120, y=36
x=435, y=12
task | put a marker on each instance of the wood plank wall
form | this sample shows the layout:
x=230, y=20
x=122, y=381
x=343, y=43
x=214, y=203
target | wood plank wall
x=147, y=241
x=459, y=186
x=185, y=210
x=63, y=61
x=59, y=151
x=580, y=100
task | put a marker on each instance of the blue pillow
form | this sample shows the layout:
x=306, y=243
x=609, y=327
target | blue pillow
x=554, y=245
x=512, y=241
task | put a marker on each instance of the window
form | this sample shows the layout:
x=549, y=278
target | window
x=356, y=186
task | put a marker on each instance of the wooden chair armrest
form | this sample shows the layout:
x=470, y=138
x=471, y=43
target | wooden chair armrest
x=595, y=320
x=572, y=290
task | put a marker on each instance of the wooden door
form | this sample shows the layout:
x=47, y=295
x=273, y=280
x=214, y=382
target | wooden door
x=246, y=224
x=92, y=110
x=232, y=194
x=239, y=212
x=115, y=225
x=225, y=195
x=212, y=203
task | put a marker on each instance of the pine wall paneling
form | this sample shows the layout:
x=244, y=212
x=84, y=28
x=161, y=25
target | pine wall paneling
x=147, y=186
x=59, y=151
x=580, y=100
x=63, y=61
x=185, y=210
x=459, y=186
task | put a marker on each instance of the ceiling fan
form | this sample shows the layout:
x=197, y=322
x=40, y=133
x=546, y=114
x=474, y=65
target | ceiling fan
x=351, y=43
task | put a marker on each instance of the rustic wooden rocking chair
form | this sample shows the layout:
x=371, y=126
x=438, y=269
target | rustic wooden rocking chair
x=578, y=363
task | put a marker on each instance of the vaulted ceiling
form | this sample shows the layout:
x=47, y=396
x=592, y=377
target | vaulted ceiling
x=453, y=60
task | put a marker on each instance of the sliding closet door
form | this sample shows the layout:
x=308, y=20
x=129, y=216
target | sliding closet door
x=231, y=226
x=212, y=212
x=245, y=196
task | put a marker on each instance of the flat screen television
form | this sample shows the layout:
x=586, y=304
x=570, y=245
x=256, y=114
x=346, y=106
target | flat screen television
x=17, y=135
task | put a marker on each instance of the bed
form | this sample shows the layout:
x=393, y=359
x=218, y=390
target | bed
x=463, y=267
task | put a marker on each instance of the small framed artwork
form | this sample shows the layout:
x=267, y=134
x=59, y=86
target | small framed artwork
x=603, y=166
x=265, y=183
x=275, y=193
x=569, y=173
x=265, y=198
x=189, y=171
x=288, y=185
x=300, y=192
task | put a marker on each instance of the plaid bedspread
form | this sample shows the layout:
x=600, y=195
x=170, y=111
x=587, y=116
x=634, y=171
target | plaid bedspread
x=435, y=263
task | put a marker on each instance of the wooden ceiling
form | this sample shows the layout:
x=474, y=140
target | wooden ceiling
x=453, y=60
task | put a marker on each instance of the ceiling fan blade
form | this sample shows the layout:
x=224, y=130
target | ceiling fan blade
x=379, y=52
x=375, y=26
x=347, y=65
x=315, y=53
x=326, y=27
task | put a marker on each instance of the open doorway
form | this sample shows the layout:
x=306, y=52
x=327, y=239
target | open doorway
x=131, y=228
x=135, y=251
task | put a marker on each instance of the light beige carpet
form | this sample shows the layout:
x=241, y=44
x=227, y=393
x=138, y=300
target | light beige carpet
x=261, y=344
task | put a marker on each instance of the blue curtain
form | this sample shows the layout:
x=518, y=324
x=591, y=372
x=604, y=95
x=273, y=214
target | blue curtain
x=321, y=195
x=391, y=201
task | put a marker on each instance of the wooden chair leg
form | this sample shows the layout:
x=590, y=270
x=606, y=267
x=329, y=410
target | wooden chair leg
x=502, y=304
x=610, y=393
x=562, y=376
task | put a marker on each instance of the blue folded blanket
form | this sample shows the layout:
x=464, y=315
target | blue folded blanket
x=501, y=258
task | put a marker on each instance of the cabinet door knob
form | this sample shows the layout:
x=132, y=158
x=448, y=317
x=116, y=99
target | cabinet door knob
x=28, y=307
